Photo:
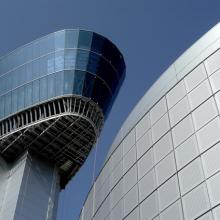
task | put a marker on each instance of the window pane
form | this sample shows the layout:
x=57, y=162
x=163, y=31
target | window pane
x=97, y=43
x=28, y=72
x=59, y=83
x=8, y=104
x=72, y=38
x=2, y=106
x=82, y=59
x=78, y=82
x=59, y=60
x=43, y=66
x=70, y=59
x=103, y=98
x=43, y=88
x=85, y=39
x=28, y=95
x=14, y=101
x=51, y=85
x=68, y=82
x=59, y=40
x=36, y=68
x=20, y=100
x=50, y=63
x=88, y=84
x=36, y=91
x=93, y=62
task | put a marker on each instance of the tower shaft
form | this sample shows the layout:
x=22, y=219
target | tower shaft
x=29, y=189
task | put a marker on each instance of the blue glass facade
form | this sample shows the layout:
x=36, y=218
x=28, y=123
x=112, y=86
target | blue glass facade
x=68, y=62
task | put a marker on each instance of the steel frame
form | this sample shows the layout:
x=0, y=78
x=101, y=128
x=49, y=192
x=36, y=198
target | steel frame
x=62, y=131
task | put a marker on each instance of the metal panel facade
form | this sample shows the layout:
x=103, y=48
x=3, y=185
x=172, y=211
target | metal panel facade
x=174, y=135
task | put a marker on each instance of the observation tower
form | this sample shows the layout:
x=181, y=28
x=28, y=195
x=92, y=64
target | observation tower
x=55, y=94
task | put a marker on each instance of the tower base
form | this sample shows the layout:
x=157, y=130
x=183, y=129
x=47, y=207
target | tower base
x=29, y=189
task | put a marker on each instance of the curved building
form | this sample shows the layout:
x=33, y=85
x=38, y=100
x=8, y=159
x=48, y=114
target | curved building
x=55, y=94
x=165, y=161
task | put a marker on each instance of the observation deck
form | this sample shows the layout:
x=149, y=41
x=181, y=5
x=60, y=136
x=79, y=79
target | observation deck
x=55, y=94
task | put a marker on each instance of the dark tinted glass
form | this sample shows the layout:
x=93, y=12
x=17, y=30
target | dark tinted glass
x=93, y=62
x=85, y=39
x=48, y=68
x=82, y=59
x=97, y=43
x=88, y=85
x=101, y=94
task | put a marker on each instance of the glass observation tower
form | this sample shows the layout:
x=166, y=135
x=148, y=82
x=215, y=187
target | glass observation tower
x=55, y=94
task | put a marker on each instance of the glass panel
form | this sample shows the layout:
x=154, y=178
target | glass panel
x=20, y=100
x=93, y=62
x=59, y=83
x=78, y=82
x=68, y=82
x=111, y=53
x=36, y=91
x=59, y=60
x=47, y=44
x=88, y=85
x=43, y=88
x=14, y=101
x=51, y=85
x=2, y=106
x=106, y=72
x=28, y=95
x=8, y=104
x=59, y=38
x=36, y=49
x=101, y=95
x=6, y=82
x=82, y=59
x=36, y=68
x=1, y=84
x=22, y=73
x=85, y=39
x=28, y=72
x=43, y=66
x=50, y=63
x=70, y=59
x=97, y=43
x=72, y=38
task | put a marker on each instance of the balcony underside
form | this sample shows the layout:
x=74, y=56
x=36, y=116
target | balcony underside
x=62, y=131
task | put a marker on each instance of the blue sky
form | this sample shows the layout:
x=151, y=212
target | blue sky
x=150, y=33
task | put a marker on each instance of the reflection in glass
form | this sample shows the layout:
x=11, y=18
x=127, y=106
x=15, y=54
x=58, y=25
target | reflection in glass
x=20, y=98
x=68, y=81
x=2, y=106
x=82, y=59
x=28, y=95
x=14, y=100
x=59, y=83
x=51, y=87
x=36, y=91
x=43, y=88
x=59, y=60
x=8, y=103
x=79, y=77
x=71, y=38
x=70, y=59
x=66, y=62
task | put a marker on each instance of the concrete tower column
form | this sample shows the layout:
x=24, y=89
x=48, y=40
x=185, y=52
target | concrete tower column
x=29, y=189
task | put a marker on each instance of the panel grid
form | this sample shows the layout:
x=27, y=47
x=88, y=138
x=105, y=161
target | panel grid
x=190, y=163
